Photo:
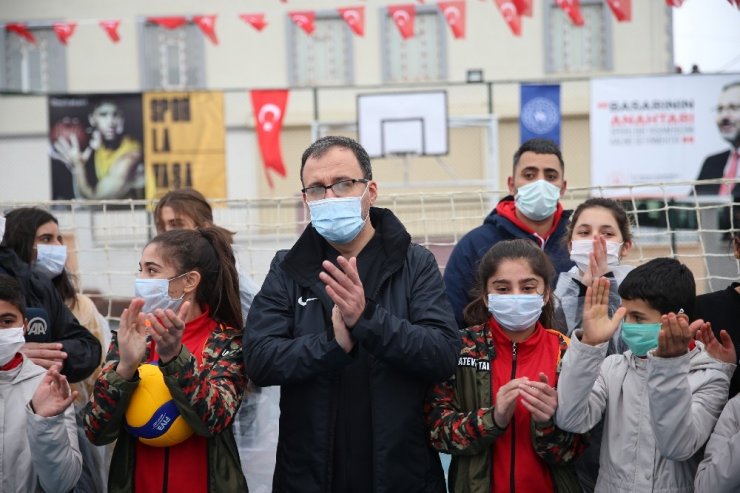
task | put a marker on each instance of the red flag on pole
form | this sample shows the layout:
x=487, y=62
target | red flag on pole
x=304, y=19
x=454, y=13
x=207, y=24
x=111, y=28
x=268, y=107
x=573, y=9
x=20, y=29
x=674, y=3
x=257, y=21
x=64, y=30
x=168, y=22
x=355, y=19
x=511, y=16
x=403, y=16
x=524, y=7
x=622, y=9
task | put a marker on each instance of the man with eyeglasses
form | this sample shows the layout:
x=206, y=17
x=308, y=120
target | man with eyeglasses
x=353, y=323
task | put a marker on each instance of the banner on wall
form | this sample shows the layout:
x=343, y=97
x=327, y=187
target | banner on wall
x=660, y=129
x=539, y=112
x=95, y=144
x=185, y=144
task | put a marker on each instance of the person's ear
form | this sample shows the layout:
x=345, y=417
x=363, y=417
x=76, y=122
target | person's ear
x=510, y=185
x=25, y=326
x=563, y=189
x=372, y=191
x=626, y=249
x=192, y=280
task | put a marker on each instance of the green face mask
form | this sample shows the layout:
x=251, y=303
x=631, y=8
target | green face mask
x=640, y=338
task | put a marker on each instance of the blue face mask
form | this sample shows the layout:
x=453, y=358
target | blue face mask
x=537, y=200
x=516, y=312
x=640, y=338
x=338, y=220
x=50, y=260
x=156, y=294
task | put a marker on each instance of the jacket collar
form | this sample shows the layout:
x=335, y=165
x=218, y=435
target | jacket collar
x=506, y=209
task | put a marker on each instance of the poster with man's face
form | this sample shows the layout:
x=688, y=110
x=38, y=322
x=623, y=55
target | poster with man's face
x=96, y=147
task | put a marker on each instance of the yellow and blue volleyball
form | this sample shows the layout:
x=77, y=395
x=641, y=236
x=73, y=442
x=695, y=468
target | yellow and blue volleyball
x=152, y=415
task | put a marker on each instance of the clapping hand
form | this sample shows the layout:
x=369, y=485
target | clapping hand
x=53, y=395
x=166, y=328
x=597, y=326
x=675, y=335
x=723, y=351
x=506, y=398
x=597, y=264
x=131, y=339
x=341, y=333
x=539, y=398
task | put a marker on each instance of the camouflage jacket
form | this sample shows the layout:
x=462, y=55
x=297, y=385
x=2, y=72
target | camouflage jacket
x=459, y=416
x=207, y=396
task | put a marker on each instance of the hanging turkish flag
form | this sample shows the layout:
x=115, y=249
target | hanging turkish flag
x=454, y=12
x=304, y=19
x=20, y=29
x=674, y=3
x=257, y=21
x=111, y=27
x=168, y=22
x=573, y=9
x=268, y=107
x=207, y=24
x=355, y=19
x=403, y=16
x=511, y=16
x=64, y=30
x=524, y=7
x=622, y=9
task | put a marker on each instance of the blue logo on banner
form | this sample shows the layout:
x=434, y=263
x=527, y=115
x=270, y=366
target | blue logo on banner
x=540, y=112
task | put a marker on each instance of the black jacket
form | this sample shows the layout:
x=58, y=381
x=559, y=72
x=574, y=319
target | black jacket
x=49, y=319
x=409, y=332
x=713, y=167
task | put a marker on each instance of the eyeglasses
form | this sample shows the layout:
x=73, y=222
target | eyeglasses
x=340, y=188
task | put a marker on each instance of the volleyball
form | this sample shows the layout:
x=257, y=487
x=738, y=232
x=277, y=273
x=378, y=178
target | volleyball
x=152, y=415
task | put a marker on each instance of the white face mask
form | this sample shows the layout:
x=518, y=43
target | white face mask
x=11, y=341
x=581, y=249
x=50, y=260
x=516, y=312
x=156, y=294
x=537, y=200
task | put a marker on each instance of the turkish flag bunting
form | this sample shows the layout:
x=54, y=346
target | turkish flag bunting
x=674, y=3
x=21, y=30
x=511, y=16
x=257, y=21
x=736, y=3
x=304, y=19
x=622, y=9
x=524, y=7
x=573, y=9
x=403, y=16
x=207, y=24
x=454, y=13
x=168, y=22
x=111, y=27
x=355, y=19
x=64, y=30
x=268, y=107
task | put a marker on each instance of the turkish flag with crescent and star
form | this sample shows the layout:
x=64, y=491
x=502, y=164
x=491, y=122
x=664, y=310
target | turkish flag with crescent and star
x=511, y=16
x=268, y=107
x=304, y=19
x=573, y=9
x=64, y=31
x=355, y=19
x=622, y=9
x=454, y=13
x=207, y=24
x=524, y=7
x=403, y=16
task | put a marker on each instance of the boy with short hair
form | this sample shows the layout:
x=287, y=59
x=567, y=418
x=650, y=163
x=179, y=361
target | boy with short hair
x=661, y=398
x=39, y=449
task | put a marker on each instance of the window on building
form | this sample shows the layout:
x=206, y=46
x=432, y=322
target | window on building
x=422, y=58
x=172, y=58
x=33, y=67
x=578, y=49
x=324, y=57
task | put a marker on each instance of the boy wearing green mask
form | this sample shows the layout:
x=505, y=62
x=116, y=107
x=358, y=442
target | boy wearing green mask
x=661, y=398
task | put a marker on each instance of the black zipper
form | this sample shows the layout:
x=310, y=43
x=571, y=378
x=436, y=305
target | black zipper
x=512, y=483
x=166, y=469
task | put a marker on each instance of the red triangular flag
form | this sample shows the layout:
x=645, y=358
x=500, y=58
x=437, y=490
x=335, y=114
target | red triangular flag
x=207, y=24
x=268, y=107
x=674, y=3
x=454, y=12
x=20, y=29
x=257, y=21
x=573, y=9
x=511, y=16
x=355, y=19
x=622, y=9
x=403, y=16
x=111, y=27
x=304, y=19
x=168, y=22
x=64, y=30
x=524, y=7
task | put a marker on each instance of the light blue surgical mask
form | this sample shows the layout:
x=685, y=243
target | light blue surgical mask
x=50, y=260
x=640, y=338
x=156, y=294
x=516, y=312
x=537, y=200
x=339, y=220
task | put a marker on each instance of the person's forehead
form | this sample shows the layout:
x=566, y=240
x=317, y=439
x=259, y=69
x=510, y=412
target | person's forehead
x=596, y=217
x=731, y=94
x=7, y=308
x=514, y=270
x=639, y=305
x=541, y=161
x=335, y=162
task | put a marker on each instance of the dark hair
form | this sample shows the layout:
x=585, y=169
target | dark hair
x=620, y=215
x=477, y=310
x=10, y=292
x=207, y=251
x=539, y=146
x=665, y=284
x=187, y=202
x=321, y=146
x=20, y=235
